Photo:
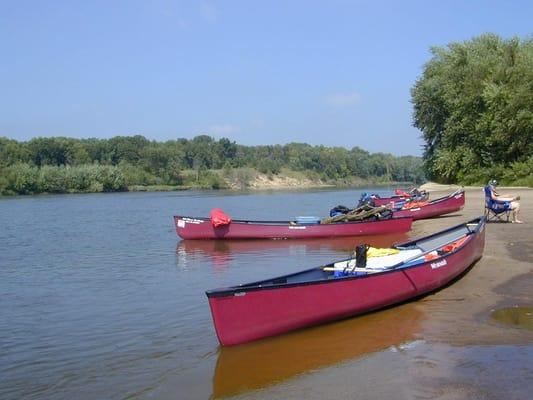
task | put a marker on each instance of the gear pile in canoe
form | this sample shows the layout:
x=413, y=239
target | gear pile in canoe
x=365, y=212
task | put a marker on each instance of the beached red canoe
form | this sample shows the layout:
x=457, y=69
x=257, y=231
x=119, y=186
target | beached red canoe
x=400, y=196
x=339, y=290
x=202, y=228
x=444, y=205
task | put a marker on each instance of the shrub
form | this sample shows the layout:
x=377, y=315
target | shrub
x=53, y=179
x=111, y=179
x=81, y=178
x=22, y=179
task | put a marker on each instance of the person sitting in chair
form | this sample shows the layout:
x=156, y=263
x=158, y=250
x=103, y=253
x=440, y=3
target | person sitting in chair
x=514, y=205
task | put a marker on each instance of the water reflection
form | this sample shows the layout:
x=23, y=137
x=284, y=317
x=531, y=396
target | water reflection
x=260, y=364
x=222, y=252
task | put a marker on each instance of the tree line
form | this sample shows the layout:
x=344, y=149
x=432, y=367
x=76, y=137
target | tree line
x=60, y=164
x=474, y=106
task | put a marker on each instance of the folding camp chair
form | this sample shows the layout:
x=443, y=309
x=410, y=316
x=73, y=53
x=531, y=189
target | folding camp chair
x=496, y=210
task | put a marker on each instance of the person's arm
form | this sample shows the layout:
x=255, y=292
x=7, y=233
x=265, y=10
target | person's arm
x=504, y=197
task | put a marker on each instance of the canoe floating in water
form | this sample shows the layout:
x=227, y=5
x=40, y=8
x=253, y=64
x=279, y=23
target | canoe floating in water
x=339, y=290
x=441, y=206
x=202, y=228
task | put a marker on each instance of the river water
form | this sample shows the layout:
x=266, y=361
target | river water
x=101, y=300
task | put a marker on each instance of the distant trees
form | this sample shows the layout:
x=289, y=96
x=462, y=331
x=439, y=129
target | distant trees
x=474, y=105
x=59, y=164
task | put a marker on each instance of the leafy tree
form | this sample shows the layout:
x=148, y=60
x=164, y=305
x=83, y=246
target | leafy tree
x=474, y=106
x=49, y=151
x=227, y=150
x=127, y=148
x=12, y=152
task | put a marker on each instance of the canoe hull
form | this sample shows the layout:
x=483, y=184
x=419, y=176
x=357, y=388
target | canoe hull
x=201, y=228
x=266, y=312
x=444, y=206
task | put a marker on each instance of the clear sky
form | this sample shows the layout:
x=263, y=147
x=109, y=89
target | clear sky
x=258, y=72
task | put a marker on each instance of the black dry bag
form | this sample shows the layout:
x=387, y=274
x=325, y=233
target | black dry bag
x=360, y=255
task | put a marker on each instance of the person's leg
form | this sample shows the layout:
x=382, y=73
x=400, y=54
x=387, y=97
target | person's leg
x=515, y=207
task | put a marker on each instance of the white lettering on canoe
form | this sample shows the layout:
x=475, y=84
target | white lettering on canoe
x=296, y=227
x=439, y=264
x=181, y=223
x=238, y=294
x=192, y=221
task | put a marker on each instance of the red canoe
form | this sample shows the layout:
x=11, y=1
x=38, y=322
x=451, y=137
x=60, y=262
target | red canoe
x=339, y=290
x=444, y=205
x=202, y=228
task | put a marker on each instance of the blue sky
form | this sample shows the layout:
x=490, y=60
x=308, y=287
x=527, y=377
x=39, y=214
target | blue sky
x=258, y=72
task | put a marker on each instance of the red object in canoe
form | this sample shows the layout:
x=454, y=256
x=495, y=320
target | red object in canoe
x=382, y=201
x=444, y=205
x=270, y=307
x=201, y=228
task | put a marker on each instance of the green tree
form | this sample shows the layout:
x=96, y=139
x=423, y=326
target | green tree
x=474, y=106
x=12, y=152
x=127, y=148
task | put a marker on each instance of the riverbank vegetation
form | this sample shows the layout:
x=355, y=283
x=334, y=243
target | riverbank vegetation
x=67, y=165
x=474, y=105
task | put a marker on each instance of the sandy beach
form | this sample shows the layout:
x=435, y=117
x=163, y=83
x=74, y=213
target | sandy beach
x=502, y=278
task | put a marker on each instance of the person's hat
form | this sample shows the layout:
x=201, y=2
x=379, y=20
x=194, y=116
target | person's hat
x=493, y=182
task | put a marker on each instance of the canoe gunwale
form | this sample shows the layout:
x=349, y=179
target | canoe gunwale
x=290, y=223
x=449, y=196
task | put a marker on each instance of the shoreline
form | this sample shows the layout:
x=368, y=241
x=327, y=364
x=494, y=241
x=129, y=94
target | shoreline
x=289, y=181
x=501, y=278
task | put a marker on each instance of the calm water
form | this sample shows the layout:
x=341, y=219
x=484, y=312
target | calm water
x=100, y=299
